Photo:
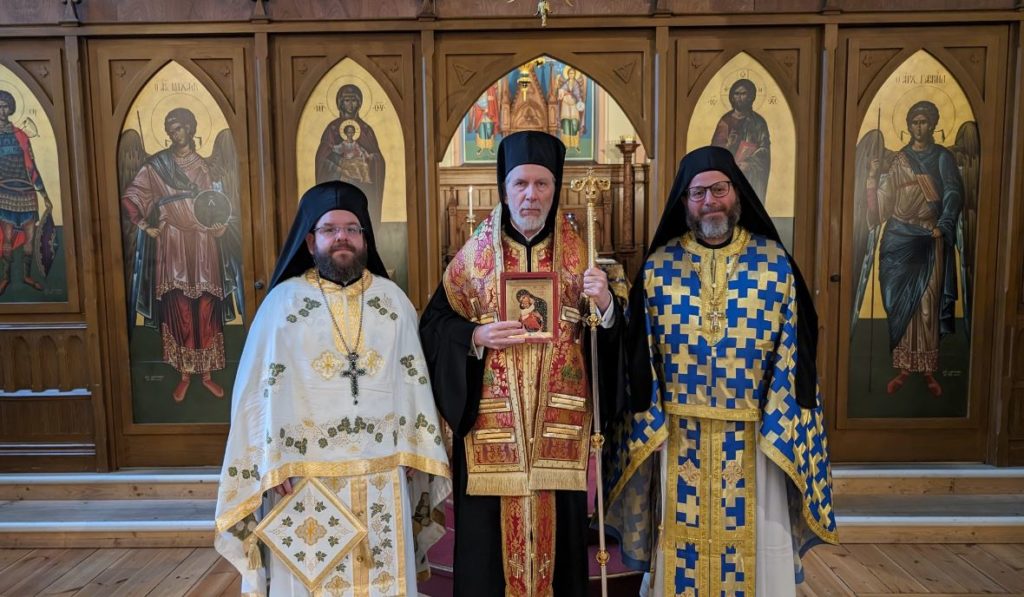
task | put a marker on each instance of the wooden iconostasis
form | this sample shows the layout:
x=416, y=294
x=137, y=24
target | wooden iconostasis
x=149, y=172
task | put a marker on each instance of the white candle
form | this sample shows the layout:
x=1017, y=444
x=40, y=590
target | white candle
x=471, y=201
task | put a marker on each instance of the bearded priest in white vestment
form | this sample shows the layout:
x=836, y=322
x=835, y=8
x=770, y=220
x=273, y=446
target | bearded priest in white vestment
x=335, y=467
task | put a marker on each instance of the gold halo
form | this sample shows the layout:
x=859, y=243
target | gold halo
x=736, y=75
x=345, y=79
x=12, y=88
x=937, y=96
x=191, y=102
x=347, y=122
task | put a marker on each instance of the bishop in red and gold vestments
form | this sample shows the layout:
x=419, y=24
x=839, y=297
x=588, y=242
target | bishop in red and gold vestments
x=521, y=412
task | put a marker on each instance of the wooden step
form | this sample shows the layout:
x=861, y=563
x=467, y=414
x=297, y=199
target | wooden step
x=873, y=504
x=926, y=479
x=976, y=518
x=171, y=484
x=107, y=523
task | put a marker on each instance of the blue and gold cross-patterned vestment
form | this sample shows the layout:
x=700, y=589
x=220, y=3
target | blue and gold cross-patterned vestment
x=722, y=332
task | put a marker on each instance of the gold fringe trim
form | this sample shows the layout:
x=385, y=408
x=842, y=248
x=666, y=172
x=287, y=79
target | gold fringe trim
x=276, y=476
x=558, y=480
x=508, y=484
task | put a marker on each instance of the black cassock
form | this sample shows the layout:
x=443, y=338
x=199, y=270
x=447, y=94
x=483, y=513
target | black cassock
x=456, y=376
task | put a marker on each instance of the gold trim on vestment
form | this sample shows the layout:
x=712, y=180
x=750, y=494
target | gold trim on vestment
x=516, y=454
x=361, y=532
x=276, y=476
x=399, y=524
x=714, y=269
x=711, y=412
x=773, y=454
x=709, y=538
x=360, y=566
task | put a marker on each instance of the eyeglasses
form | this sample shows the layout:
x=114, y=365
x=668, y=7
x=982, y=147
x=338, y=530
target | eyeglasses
x=719, y=189
x=333, y=231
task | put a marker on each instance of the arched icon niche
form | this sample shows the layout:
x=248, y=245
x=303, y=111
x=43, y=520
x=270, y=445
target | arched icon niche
x=915, y=205
x=743, y=109
x=33, y=267
x=182, y=238
x=349, y=130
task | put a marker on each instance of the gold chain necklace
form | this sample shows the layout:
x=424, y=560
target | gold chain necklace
x=714, y=284
x=712, y=299
x=354, y=371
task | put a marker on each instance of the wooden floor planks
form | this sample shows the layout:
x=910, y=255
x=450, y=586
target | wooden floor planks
x=860, y=569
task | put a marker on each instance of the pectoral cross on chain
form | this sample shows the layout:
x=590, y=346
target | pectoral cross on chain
x=353, y=373
x=716, y=320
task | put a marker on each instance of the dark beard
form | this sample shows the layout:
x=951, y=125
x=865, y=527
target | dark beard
x=733, y=217
x=340, y=274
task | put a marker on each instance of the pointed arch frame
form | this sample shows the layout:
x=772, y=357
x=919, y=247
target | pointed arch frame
x=136, y=444
x=964, y=437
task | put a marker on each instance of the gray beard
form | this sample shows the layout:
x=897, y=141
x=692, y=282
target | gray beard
x=340, y=274
x=718, y=227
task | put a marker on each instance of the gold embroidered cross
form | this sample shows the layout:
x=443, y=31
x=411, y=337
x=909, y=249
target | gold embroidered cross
x=515, y=565
x=545, y=566
x=311, y=531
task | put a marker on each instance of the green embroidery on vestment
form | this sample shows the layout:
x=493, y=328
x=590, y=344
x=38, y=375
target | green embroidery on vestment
x=308, y=305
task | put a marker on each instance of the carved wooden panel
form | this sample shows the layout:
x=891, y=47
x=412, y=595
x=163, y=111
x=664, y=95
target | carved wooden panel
x=37, y=359
x=300, y=10
x=46, y=394
x=1015, y=374
x=105, y=11
x=1016, y=418
x=449, y=9
x=134, y=84
x=621, y=63
x=33, y=12
x=52, y=432
x=825, y=6
x=886, y=5
x=29, y=12
x=872, y=60
x=53, y=419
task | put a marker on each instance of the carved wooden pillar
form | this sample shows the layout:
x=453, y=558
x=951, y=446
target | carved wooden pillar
x=451, y=232
x=624, y=242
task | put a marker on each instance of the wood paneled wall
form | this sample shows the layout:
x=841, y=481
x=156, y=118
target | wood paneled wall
x=62, y=385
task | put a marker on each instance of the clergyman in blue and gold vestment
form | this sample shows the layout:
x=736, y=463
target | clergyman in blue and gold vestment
x=719, y=479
